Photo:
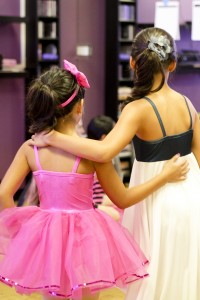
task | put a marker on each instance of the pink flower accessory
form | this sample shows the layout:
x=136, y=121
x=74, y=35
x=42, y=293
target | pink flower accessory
x=80, y=77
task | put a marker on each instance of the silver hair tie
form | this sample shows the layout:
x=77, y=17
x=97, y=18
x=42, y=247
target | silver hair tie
x=161, y=46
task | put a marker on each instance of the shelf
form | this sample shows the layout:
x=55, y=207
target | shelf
x=124, y=41
x=12, y=74
x=127, y=21
x=48, y=39
x=48, y=61
x=47, y=19
x=127, y=2
x=8, y=19
x=194, y=65
x=126, y=80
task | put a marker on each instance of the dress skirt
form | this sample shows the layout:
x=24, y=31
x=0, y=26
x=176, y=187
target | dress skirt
x=166, y=225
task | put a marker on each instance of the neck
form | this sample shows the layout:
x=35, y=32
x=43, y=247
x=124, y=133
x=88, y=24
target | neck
x=157, y=80
x=67, y=125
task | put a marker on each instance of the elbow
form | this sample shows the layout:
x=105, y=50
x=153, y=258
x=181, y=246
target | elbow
x=103, y=155
x=6, y=201
x=122, y=206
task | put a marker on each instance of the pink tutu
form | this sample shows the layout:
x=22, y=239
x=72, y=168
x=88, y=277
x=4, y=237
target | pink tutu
x=60, y=252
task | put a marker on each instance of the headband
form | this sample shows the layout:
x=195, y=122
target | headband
x=80, y=78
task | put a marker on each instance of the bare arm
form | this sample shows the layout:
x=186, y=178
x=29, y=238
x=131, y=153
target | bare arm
x=100, y=151
x=174, y=170
x=196, y=138
x=13, y=179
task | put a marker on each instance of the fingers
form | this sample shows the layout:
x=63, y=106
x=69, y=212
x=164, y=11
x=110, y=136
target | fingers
x=175, y=157
x=31, y=143
x=184, y=172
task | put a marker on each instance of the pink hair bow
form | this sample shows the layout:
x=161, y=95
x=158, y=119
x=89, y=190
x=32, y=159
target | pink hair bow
x=80, y=77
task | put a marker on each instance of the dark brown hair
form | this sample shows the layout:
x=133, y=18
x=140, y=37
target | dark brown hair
x=45, y=95
x=148, y=62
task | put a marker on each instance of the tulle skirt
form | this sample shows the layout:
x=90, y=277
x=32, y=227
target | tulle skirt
x=60, y=253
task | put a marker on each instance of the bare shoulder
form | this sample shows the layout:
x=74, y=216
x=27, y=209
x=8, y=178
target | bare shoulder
x=26, y=145
x=136, y=108
x=26, y=148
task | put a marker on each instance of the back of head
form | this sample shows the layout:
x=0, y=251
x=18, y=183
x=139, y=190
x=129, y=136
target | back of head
x=99, y=126
x=46, y=95
x=153, y=50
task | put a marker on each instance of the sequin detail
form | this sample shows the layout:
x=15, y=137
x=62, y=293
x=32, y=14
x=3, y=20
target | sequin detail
x=102, y=285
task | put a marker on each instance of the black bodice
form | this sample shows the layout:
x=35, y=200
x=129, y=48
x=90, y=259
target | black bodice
x=167, y=146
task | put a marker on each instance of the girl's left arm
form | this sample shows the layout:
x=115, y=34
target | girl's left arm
x=14, y=178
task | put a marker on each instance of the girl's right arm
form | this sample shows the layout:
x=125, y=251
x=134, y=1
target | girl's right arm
x=174, y=170
x=13, y=179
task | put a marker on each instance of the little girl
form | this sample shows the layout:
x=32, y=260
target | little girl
x=65, y=248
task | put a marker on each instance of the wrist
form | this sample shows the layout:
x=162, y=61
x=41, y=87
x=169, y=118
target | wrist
x=164, y=177
x=49, y=137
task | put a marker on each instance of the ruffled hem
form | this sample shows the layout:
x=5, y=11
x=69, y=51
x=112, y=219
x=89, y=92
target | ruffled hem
x=94, y=287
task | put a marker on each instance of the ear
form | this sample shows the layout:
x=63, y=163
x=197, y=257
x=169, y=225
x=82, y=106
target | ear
x=132, y=63
x=172, y=66
x=80, y=106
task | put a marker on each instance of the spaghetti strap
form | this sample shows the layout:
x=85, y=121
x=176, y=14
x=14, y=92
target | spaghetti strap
x=189, y=112
x=157, y=114
x=76, y=164
x=37, y=158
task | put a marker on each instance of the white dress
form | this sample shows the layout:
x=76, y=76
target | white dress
x=166, y=224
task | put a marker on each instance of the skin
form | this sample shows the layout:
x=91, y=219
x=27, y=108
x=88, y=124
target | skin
x=137, y=118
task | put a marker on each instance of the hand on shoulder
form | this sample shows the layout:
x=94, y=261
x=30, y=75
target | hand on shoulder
x=41, y=139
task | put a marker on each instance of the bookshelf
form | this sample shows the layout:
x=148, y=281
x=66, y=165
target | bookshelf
x=120, y=30
x=120, y=18
x=43, y=47
x=40, y=48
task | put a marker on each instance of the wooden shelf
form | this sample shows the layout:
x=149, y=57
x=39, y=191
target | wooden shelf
x=127, y=2
x=47, y=19
x=12, y=74
x=9, y=19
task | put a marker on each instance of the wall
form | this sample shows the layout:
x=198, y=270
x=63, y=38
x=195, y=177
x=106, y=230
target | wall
x=146, y=11
x=83, y=23
x=11, y=91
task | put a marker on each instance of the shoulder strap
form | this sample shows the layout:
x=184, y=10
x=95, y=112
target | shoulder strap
x=157, y=114
x=76, y=164
x=37, y=158
x=188, y=111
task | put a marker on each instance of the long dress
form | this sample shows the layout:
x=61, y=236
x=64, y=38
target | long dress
x=166, y=224
x=65, y=244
